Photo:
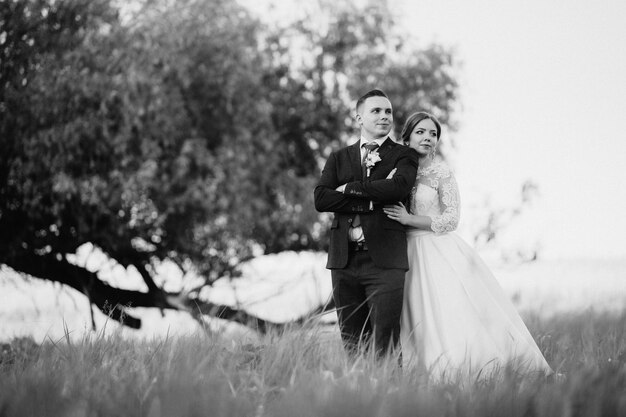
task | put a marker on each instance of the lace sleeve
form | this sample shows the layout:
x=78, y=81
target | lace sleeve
x=448, y=192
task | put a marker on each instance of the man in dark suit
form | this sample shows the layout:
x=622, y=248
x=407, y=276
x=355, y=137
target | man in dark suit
x=368, y=251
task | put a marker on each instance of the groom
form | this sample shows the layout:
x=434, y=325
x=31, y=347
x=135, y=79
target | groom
x=368, y=254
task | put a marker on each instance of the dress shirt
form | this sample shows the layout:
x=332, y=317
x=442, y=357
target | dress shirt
x=365, y=141
x=356, y=233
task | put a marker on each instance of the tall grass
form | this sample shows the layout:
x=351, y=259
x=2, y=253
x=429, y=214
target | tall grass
x=304, y=372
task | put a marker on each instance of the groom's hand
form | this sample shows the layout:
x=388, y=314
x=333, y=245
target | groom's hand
x=395, y=188
x=341, y=188
x=328, y=197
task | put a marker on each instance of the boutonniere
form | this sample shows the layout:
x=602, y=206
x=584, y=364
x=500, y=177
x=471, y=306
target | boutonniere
x=371, y=159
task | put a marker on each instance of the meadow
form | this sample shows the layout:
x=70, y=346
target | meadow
x=302, y=371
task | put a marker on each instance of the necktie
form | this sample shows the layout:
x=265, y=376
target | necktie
x=369, y=147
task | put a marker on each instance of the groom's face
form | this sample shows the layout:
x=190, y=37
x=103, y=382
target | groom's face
x=375, y=117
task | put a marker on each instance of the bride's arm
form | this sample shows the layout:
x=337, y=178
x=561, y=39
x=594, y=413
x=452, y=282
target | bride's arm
x=447, y=221
x=448, y=192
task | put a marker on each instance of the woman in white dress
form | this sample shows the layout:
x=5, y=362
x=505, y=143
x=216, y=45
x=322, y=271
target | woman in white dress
x=456, y=319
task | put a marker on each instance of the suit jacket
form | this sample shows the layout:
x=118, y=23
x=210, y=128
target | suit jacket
x=385, y=238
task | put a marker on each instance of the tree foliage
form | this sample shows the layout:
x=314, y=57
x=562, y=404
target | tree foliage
x=187, y=131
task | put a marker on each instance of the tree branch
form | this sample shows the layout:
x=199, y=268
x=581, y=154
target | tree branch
x=115, y=301
x=110, y=300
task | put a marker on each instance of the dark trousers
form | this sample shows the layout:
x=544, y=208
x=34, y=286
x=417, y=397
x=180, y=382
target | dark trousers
x=369, y=303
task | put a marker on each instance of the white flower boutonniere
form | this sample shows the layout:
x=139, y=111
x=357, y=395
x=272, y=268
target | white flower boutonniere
x=371, y=159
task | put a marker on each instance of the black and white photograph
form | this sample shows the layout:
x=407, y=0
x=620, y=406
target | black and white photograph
x=327, y=208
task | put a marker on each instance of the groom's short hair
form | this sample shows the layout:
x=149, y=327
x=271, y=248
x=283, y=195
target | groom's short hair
x=372, y=93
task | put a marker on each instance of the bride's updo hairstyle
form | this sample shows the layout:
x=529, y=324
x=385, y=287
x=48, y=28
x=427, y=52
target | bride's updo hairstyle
x=413, y=120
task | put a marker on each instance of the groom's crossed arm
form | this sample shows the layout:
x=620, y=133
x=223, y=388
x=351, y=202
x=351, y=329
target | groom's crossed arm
x=327, y=198
x=388, y=189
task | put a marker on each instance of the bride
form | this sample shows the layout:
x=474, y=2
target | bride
x=456, y=320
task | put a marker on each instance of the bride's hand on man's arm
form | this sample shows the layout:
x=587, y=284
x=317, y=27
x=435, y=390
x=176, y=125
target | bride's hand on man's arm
x=398, y=213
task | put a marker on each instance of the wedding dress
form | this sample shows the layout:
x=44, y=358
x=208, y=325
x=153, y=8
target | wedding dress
x=456, y=319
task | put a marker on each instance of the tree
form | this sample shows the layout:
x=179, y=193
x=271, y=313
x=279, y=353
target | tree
x=320, y=63
x=183, y=132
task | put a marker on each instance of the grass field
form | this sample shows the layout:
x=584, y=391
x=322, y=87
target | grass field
x=303, y=372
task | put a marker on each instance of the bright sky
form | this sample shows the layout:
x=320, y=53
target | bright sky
x=543, y=97
x=543, y=88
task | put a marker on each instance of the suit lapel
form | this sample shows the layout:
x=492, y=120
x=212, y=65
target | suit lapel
x=354, y=152
x=384, y=151
x=386, y=147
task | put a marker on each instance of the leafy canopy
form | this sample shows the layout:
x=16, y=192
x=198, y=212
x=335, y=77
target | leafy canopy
x=187, y=130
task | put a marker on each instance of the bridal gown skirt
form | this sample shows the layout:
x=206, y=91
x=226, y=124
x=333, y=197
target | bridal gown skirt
x=456, y=319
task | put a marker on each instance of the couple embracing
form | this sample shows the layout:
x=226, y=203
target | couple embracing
x=401, y=278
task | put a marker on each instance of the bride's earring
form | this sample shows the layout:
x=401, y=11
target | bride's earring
x=433, y=153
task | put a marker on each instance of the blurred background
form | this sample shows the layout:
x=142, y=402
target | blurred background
x=158, y=158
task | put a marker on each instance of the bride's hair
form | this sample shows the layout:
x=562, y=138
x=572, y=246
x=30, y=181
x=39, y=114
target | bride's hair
x=413, y=120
